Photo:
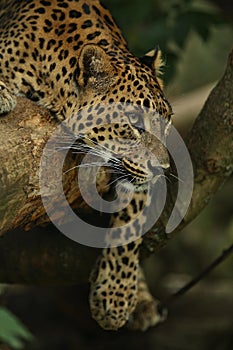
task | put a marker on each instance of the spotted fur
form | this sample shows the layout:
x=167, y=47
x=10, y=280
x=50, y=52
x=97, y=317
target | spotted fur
x=69, y=56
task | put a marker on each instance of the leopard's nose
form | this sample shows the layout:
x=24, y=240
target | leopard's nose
x=157, y=169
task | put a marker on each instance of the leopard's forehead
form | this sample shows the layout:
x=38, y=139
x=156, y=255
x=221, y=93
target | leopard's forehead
x=137, y=85
x=134, y=85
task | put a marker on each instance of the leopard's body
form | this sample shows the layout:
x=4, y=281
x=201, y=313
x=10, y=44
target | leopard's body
x=68, y=56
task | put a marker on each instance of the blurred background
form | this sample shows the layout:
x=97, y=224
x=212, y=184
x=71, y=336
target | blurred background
x=195, y=37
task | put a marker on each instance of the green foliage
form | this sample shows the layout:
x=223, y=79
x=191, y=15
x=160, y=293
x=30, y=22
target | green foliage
x=12, y=331
x=166, y=23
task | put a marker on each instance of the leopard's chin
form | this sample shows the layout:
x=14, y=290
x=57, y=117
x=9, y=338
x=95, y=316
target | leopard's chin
x=134, y=186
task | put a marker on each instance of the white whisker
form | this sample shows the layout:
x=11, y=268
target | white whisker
x=85, y=166
x=176, y=177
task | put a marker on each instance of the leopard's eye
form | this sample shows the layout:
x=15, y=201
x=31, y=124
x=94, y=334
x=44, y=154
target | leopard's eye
x=134, y=118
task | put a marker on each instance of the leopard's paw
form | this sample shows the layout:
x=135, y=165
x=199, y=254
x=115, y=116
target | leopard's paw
x=147, y=313
x=7, y=99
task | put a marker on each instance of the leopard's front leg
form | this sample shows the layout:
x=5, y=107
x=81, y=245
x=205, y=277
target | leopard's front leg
x=116, y=281
x=119, y=292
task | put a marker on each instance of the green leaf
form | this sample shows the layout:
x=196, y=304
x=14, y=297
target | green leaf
x=12, y=331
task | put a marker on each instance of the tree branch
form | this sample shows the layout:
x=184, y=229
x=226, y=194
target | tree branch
x=43, y=255
x=187, y=287
x=210, y=144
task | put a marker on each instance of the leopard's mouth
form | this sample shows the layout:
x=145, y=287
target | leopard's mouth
x=134, y=177
x=130, y=177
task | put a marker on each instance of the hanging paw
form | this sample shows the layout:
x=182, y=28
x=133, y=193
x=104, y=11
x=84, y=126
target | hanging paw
x=7, y=99
x=148, y=311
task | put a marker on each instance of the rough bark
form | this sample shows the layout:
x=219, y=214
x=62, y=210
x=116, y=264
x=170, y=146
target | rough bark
x=43, y=255
x=210, y=144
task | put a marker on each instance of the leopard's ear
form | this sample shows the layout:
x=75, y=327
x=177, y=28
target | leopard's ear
x=153, y=59
x=94, y=67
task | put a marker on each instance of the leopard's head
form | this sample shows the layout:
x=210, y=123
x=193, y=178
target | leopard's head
x=123, y=115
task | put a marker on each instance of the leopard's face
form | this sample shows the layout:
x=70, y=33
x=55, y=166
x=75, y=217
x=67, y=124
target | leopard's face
x=128, y=124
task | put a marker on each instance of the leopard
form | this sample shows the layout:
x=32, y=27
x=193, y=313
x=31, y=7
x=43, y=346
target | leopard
x=69, y=56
